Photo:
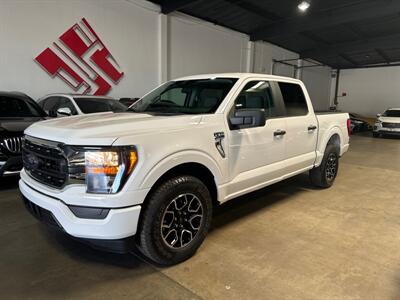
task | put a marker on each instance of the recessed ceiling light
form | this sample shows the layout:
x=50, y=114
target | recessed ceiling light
x=303, y=6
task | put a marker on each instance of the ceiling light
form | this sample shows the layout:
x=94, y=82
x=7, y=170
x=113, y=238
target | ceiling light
x=303, y=6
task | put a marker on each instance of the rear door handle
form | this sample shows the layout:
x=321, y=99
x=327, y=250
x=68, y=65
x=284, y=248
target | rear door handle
x=311, y=127
x=279, y=132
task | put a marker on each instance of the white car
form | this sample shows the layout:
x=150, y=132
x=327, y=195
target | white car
x=151, y=175
x=61, y=105
x=387, y=123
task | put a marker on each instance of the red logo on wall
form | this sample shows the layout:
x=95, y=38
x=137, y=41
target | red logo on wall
x=81, y=60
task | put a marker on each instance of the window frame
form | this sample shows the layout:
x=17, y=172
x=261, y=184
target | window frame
x=276, y=95
x=284, y=103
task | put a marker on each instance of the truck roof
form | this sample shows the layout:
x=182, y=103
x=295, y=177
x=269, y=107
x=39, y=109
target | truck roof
x=77, y=95
x=239, y=76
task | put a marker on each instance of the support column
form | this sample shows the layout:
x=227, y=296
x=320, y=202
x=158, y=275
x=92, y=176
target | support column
x=250, y=57
x=299, y=69
x=163, y=55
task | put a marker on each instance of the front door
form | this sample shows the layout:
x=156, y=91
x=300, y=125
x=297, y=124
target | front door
x=256, y=154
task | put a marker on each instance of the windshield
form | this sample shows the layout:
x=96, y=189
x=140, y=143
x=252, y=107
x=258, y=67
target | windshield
x=392, y=113
x=95, y=105
x=19, y=108
x=200, y=96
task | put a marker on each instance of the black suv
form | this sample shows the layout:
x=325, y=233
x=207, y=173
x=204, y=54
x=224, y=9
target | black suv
x=17, y=112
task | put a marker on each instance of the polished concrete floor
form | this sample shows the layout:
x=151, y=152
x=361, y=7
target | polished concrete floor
x=288, y=241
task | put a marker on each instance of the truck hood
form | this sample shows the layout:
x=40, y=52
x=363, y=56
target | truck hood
x=389, y=119
x=105, y=128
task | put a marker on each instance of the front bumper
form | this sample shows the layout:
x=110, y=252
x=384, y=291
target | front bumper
x=386, y=130
x=119, y=223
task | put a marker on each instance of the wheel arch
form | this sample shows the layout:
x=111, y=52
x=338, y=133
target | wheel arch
x=191, y=163
x=334, y=137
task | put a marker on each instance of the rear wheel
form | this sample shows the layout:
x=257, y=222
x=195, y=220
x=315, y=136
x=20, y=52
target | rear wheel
x=325, y=174
x=175, y=220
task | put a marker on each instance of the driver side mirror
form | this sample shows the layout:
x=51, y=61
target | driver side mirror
x=378, y=115
x=247, y=118
x=64, y=111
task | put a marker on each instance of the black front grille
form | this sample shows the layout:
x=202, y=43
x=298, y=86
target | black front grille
x=391, y=125
x=40, y=213
x=44, y=163
x=12, y=144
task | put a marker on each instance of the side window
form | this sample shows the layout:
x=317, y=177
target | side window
x=65, y=102
x=294, y=99
x=175, y=96
x=259, y=95
x=49, y=105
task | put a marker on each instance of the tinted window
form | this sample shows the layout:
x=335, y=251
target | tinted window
x=258, y=95
x=200, y=96
x=295, y=101
x=392, y=113
x=66, y=103
x=49, y=105
x=16, y=107
x=95, y=105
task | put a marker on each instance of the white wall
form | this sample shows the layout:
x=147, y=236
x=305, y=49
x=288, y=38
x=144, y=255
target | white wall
x=148, y=46
x=318, y=83
x=369, y=91
x=197, y=47
x=265, y=53
x=28, y=27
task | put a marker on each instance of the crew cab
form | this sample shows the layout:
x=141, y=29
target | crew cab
x=151, y=176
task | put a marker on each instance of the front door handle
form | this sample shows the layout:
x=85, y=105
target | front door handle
x=312, y=127
x=279, y=132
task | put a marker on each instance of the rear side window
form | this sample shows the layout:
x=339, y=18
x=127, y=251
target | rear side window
x=295, y=101
x=258, y=94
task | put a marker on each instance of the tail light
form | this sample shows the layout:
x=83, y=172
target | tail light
x=349, y=126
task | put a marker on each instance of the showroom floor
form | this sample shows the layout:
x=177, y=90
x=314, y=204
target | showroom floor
x=289, y=241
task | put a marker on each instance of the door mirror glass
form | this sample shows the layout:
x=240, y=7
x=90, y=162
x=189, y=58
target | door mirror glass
x=248, y=118
x=64, y=112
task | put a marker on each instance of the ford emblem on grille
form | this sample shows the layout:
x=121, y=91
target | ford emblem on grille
x=32, y=160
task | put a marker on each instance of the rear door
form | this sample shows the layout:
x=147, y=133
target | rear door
x=302, y=127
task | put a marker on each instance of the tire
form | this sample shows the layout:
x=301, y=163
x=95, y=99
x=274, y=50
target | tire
x=171, y=230
x=375, y=134
x=325, y=174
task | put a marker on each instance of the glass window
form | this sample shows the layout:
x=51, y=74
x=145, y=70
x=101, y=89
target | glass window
x=294, y=99
x=49, y=105
x=175, y=96
x=392, y=113
x=16, y=107
x=258, y=95
x=94, y=105
x=66, y=103
x=197, y=96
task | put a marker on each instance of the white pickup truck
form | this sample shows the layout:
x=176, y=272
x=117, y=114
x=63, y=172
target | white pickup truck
x=151, y=176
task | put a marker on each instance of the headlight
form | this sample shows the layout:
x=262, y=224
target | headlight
x=378, y=123
x=105, y=170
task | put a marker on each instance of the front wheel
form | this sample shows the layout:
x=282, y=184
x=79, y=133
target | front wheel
x=175, y=220
x=325, y=174
x=375, y=134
